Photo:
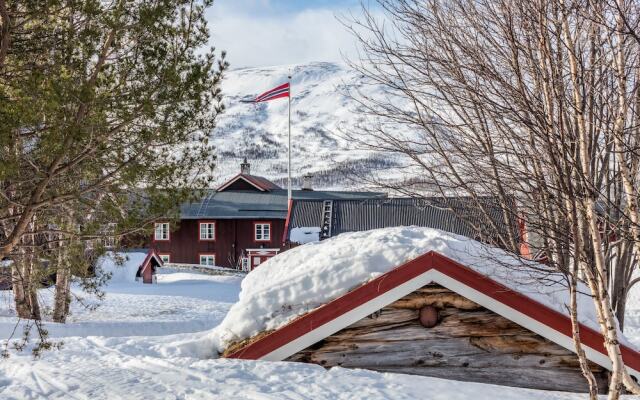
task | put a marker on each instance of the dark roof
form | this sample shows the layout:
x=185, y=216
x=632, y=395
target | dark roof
x=459, y=215
x=249, y=204
x=259, y=182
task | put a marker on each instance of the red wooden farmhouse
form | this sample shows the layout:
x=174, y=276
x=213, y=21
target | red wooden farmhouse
x=240, y=224
x=433, y=316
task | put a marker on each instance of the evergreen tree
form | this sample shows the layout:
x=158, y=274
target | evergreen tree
x=105, y=111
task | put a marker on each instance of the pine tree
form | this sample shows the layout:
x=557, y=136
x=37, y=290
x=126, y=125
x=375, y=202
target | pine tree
x=105, y=112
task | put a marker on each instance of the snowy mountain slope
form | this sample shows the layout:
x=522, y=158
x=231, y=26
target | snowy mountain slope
x=319, y=110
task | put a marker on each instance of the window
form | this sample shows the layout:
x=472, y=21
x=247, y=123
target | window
x=207, y=231
x=263, y=232
x=162, y=231
x=207, y=259
x=166, y=258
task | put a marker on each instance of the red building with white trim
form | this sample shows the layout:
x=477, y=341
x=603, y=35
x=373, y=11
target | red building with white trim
x=240, y=224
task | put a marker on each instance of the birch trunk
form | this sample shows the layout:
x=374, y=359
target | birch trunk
x=63, y=290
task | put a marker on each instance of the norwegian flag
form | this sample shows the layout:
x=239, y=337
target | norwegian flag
x=275, y=93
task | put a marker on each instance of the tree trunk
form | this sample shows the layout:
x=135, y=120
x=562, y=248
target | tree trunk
x=18, y=285
x=63, y=292
x=25, y=289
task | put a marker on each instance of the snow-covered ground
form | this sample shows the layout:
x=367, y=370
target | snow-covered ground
x=119, y=351
x=181, y=302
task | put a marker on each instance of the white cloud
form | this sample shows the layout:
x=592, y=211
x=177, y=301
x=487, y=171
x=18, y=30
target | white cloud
x=255, y=38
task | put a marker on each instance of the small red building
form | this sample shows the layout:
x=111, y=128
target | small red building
x=147, y=270
x=239, y=225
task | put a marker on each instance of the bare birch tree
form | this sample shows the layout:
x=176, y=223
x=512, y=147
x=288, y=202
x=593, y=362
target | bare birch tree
x=535, y=101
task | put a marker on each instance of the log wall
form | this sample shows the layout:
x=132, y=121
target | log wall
x=469, y=343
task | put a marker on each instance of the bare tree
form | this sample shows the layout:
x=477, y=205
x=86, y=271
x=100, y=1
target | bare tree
x=533, y=101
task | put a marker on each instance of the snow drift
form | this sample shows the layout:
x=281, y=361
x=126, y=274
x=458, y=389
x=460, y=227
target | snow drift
x=306, y=277
x=121, y=266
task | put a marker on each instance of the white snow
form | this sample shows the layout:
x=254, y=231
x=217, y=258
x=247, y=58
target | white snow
x=180, y=302
x=302, y=235
x=128, y=368
x=306, y=277
x=108, y=364
x=121, y=266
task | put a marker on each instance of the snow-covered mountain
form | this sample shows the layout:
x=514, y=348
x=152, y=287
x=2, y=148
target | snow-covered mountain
x=319, y=110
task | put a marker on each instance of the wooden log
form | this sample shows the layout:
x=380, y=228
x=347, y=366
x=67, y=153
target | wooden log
x=458, y=352
x=469, y=343
x=562, y=380
x=438, y=297
x=428, y=316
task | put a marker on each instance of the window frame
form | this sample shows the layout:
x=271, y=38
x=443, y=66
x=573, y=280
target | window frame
x=255, y=231
x=155, y=232
x=215, y=228
x=200, y=255
x=168, y=255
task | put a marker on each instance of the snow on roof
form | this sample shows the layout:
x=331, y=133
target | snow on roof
x=306, y=277
x=304, y=235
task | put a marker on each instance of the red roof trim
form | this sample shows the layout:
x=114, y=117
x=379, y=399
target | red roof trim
x=151, y=253
x=410, y=270
x=334, y=309
x=250, y=180
x=245, y=178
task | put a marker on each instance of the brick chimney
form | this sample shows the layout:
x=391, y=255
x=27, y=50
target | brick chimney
x=306, y=182
x=245, y=167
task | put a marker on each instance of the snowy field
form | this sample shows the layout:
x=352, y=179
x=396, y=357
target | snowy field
x=120, y=351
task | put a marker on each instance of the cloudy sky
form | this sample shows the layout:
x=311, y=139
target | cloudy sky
x=275, y=32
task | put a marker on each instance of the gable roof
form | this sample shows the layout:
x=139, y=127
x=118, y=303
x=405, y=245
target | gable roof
x=251, y=204
x=431, y=267
x=257, y=182
x=151, y=256
x=459, y=215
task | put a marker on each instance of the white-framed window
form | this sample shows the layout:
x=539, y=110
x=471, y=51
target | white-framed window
x=207, y=231
x=166, y=258
x=262, y=232
x=162, y=231
x=207, y=259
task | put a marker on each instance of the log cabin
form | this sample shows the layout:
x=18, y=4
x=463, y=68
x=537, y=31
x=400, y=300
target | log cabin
x=239, y=225
x=433, y=316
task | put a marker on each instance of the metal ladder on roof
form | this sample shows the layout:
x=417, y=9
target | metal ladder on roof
x=327, y=216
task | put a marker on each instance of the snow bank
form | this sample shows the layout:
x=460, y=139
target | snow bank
x=100, y=368
x=305, y=235
x=308, y=276
x=122, y=266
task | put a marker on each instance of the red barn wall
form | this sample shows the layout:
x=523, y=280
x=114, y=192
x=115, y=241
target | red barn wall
x=232, y=237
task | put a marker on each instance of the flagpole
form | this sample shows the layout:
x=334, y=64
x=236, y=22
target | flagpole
x=289, y=164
